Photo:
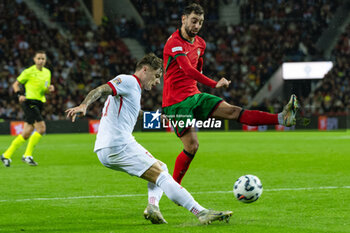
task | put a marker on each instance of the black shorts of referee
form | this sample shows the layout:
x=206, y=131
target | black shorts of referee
x=32, y=111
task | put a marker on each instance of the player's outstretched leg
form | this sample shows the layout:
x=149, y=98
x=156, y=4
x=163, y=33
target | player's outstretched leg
x=253, y=117
x=155, y=193
x=153, y=214
x=208, y=216
x=289, y=111
x=181, y=196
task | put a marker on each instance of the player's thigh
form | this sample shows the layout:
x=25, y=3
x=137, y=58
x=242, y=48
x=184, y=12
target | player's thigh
x=227, y=111
x=179, y=114
x=131, y=158
x=190, y=140
x=206, y=105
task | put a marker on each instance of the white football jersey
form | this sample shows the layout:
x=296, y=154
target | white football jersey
x=120, y=112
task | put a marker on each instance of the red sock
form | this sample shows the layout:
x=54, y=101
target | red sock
x=254, y=117
x=182, y=163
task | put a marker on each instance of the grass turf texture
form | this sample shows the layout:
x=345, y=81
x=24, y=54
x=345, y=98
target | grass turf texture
x=70, y=191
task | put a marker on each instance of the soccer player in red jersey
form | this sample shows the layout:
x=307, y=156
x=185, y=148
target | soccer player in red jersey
x=183, y=61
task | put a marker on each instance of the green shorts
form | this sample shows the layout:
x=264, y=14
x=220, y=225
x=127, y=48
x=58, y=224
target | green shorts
x=199, y=107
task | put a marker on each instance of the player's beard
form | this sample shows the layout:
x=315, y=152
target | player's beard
x=189, y=33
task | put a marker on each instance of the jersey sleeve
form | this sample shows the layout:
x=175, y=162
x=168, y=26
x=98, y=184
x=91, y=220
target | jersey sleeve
x=48, y=79
x=23, y=77
x=200, y=64
x=174, y=48
x=122, y=85
x=188, y=69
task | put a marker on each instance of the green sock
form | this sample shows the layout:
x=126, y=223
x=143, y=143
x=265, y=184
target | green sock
x=15, y=144
x=33, y=140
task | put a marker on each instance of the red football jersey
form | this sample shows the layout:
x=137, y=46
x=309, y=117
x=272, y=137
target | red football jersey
x=180, y=82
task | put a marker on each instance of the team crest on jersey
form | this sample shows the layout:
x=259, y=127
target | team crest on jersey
x=117, y=81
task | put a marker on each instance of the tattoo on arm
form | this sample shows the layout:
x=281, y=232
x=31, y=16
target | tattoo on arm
x=96, y=93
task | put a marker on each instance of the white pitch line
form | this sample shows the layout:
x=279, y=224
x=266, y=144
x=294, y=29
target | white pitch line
x=142, y=195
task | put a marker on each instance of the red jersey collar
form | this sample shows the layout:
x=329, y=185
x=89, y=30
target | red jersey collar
x=179, y=30
x=138, y=80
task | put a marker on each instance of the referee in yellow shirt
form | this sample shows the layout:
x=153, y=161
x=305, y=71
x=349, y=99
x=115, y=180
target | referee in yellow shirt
x=37, y=82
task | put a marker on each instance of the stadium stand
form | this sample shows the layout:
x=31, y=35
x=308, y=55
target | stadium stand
x=333, y=95
x=78, y=64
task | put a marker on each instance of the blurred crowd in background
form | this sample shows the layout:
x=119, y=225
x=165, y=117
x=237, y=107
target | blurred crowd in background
x=271, y=32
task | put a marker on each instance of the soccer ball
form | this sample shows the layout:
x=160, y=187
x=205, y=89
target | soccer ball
x=247, y=189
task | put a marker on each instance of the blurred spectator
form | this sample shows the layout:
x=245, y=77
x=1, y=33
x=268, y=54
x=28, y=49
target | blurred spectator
x=333, y=95
x=85, y=61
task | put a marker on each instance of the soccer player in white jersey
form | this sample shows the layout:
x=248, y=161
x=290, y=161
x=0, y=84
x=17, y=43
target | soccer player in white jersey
x=117, y=149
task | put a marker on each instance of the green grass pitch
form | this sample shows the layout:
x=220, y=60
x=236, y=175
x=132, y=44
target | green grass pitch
x=306, y=179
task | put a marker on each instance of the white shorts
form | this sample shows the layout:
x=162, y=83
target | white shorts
x=131, y=158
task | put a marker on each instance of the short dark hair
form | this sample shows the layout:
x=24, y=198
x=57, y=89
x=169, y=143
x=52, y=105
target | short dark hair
x=195, y=8
x=151, y=60
x=39, y=51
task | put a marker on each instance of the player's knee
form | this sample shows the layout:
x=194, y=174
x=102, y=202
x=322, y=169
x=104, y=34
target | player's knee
x=41, y=129
x=233, y=112
x=26, y=135
x=193, y=147
x=163, y=166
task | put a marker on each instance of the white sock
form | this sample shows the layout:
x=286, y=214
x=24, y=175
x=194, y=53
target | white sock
x=155, y=193
x=177, y=193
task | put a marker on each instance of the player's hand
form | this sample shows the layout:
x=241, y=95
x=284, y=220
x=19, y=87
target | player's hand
x=223, y=82
x=76, y=111
x=51, y=88
x=21, y=98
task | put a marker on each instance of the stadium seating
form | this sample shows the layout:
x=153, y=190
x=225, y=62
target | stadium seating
x=87, y=60
x=333, y=95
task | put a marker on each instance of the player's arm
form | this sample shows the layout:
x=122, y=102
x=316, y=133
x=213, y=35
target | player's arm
x=190, y=71
x=200, y=64
x=95, y=94
x=17, y=90
x=140, y=115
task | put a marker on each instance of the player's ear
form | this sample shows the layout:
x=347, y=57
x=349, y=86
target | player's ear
x=183, y=18
x=145, y=68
